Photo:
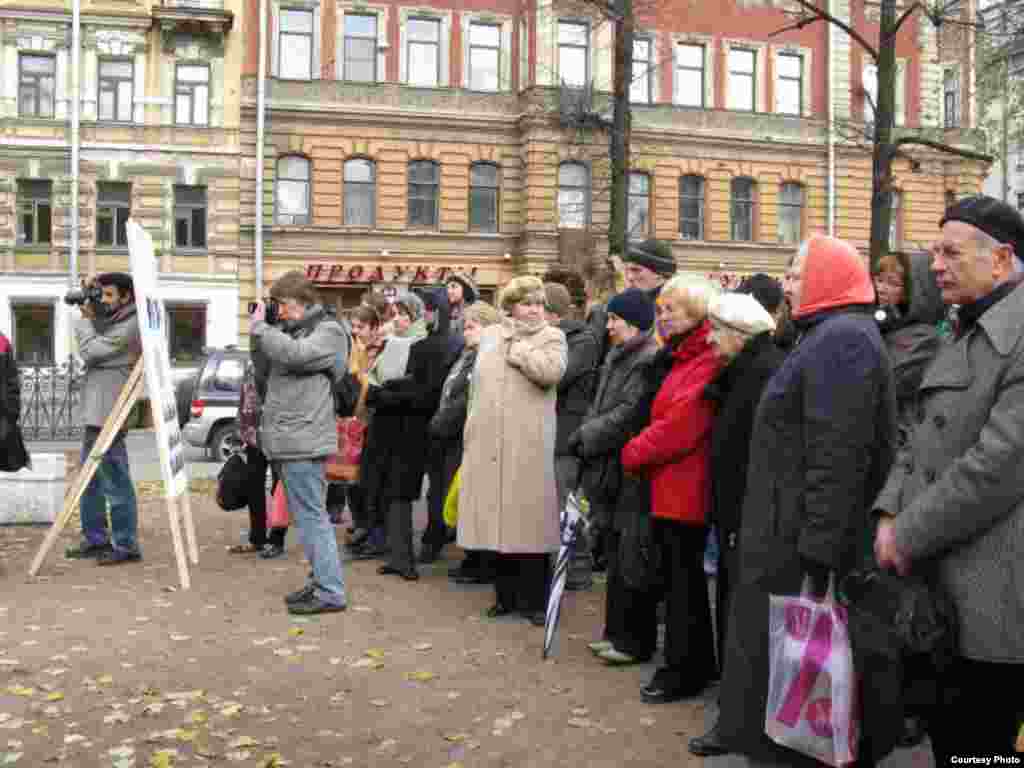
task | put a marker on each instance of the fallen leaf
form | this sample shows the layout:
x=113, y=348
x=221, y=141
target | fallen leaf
x=163, y=758
x=374, y=653
x=579, y=722
x=367, y=664
x=272, y=761
x=238, y=756
x=198, y=717
x=421, y=677
x=185, y=695
x=580, y=712
x=116, y=717
x=379, y=702
x=231, y=710
x=386, y=745
x=20, y=690
x=74, y=738
x=243, y=742
x=516, y=716
x=296, y=631
x=10, y=758
x=55, y=696
x=105, y=680
x=153, y=709
x=335, y=661
x=307, y=648
x=180, y=638
x=423, y=646
x=456, y=738
x=286, y=652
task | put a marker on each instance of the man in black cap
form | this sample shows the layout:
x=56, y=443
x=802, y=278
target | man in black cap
x=953, y=504
x=768, y=292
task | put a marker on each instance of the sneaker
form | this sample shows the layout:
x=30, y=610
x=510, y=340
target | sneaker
x=300, y=595
x=600, y=646
x=118, y=557
x=270, y=551
x=313, y=605
x=616, y=658
x=87, y=551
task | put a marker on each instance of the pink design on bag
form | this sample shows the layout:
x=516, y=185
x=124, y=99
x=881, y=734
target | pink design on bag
x=798, y=621
x=819, y=646
x=819, y=717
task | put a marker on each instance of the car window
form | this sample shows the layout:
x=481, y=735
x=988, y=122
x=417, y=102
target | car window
x=229, y=375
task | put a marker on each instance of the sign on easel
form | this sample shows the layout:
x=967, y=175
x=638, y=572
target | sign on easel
x=152, y=376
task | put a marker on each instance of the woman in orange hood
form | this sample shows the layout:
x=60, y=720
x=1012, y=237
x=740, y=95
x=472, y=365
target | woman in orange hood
x=821, y=447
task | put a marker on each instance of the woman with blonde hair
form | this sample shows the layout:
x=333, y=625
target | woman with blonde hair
x=672, y=452
x=508, y=502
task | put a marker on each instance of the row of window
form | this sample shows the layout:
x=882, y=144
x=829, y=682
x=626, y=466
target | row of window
x=115, y=89
x=359, y=196
x=113, y=207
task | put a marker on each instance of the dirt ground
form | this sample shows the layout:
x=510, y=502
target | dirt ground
x=116, y=667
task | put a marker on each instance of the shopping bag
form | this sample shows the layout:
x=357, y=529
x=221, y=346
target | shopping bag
x=451, y=501
x=343, y=466
x=279, y=517
x=233, y=483
x=812, y=703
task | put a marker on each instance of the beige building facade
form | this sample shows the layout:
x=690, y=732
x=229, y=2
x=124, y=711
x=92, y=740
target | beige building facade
x=159, y=142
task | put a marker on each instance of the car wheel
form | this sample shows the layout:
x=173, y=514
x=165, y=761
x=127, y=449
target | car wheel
x=225, y=441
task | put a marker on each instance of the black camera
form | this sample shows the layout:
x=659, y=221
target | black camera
x=91, y=294
x=273, y=313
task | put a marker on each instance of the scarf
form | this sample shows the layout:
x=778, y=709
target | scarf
x=394, y=357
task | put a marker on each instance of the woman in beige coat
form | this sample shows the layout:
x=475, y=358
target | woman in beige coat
x=508, y=502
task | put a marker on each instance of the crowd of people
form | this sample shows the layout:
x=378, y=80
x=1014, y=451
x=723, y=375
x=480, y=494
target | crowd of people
x=848, y=415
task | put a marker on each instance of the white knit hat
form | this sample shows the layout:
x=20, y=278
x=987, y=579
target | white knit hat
x=740, y=312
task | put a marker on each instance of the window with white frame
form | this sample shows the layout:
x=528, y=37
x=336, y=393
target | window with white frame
x=424, y=191
x=192, y=94
x=113, y=207
x=34, y=211
x=638, y=206
x=742, y=92
x=189, y=217
x=573, y=195
x=423, y=51
x=690, y=74
x=484, y=56
x=640, y=91
x=295, y=44
x=292, y=191
x=36, y=75
x=34, y=331
x=691, y=207
x=484, y=184
x=116, y=89
x=574, y=53
x=791, y=213
x=360, y=192
x=789, y=83
x=360, y=63
x=742, y=193
x=951, y=97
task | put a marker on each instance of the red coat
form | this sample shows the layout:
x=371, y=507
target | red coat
x=673, y=449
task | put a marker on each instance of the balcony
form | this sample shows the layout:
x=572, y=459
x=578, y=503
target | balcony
x=192, y=16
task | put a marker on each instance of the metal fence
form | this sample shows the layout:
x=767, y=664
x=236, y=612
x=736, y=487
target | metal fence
x=50, y=398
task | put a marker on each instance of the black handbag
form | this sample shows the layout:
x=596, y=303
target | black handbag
x=232, y=485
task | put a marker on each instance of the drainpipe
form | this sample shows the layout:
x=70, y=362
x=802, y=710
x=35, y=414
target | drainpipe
x=261, y=96
x=831, y=126
x=76, y=104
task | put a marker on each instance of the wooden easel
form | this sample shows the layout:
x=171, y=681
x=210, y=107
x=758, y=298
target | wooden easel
x=131, y=393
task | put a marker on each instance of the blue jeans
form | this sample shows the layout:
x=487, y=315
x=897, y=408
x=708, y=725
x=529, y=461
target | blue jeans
x=305, y=488
x=112, y=482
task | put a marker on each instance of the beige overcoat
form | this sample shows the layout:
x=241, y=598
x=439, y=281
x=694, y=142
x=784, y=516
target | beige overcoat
x=508, y=501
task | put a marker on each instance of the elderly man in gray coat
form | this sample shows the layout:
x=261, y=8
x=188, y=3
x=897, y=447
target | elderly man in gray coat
x=954, y=500
x=307, y=349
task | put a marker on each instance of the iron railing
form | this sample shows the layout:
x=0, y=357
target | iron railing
x=50, y=398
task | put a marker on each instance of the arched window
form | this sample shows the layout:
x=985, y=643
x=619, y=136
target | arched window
x=360, y=192
x=691, y=207
x=484, y=193
x=291, y=197
x=573, y=195
x=791, y=213
x=638, y=206
x=424, y=186
x=742, y=194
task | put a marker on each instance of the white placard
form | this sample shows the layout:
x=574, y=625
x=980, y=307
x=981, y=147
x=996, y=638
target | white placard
x=157, y=361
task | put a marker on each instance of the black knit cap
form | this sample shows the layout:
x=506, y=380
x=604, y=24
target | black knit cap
x=656, y=255
x=993, y=217
x=635, y=307
x=764, y=288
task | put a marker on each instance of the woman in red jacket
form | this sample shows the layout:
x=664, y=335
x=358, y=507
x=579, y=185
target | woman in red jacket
x=672, y=451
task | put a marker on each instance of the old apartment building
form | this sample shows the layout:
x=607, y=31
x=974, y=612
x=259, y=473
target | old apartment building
x=402, y=140
x=158, y=142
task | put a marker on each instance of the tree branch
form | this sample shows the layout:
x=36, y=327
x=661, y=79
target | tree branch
x=940, y=147
x=906, y=15
x=826, y=16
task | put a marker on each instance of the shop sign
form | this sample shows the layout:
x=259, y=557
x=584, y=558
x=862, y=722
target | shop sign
x=338, y=274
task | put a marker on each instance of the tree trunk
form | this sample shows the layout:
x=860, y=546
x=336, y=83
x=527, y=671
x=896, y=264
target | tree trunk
x=885, y=119
x=621, y=127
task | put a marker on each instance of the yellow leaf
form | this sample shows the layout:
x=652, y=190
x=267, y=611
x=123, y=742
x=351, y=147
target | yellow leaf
x=198, y=717
x=183, y=735
x=421, y=677
x=243, y=742
x=272, y=761
x=105, y=680
x=19, y=690
x=456, y=738
x=231, y=710
x=375, y=653
x=55, y=696
x=296, y=631
x=163, y=758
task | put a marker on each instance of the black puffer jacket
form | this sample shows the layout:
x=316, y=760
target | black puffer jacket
x=576, y=389
x=616, y=415
x=450, y=420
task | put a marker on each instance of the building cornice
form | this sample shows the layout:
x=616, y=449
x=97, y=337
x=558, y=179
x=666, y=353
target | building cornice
x=134, y=21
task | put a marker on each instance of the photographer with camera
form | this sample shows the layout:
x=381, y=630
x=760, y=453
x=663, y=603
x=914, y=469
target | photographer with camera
x=308, y=351
x=108, y=343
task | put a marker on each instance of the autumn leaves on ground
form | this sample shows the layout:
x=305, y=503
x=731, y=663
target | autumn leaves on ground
x=116, y=667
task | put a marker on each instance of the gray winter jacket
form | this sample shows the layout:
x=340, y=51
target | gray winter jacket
x=109, y=350
x=298, y=419
x=957, y=488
